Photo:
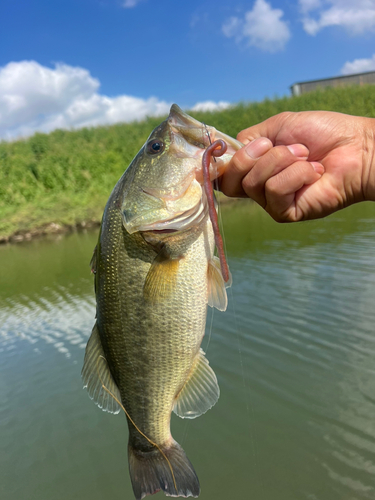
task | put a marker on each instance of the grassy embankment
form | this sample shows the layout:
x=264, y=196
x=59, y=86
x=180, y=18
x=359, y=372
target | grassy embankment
x=65, y=177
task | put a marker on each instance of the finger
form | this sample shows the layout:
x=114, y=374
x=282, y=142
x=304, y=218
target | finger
x=269, y=128
x=240, y=164
x=270, y=164
x=281, y=190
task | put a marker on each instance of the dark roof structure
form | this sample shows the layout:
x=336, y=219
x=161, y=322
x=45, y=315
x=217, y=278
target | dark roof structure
x=367, y=78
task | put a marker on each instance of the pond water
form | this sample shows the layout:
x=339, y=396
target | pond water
x=294, y=355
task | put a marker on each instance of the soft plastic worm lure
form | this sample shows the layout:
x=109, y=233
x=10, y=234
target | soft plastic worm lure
x=216, y=149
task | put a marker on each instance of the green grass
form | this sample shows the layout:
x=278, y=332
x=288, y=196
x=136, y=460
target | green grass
x=66, y=176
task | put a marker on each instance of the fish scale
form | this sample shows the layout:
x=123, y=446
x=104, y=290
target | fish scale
x=144, y=341
x=155, y=272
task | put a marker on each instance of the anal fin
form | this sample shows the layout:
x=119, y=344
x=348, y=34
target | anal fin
x=96, y=373
x=200, y=392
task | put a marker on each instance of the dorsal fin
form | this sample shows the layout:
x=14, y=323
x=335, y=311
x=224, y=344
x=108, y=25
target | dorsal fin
x=95, y=372
x=200, y=392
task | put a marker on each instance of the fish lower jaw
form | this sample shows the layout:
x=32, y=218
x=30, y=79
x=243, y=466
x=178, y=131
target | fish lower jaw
x=179, y=222
x=162, y=231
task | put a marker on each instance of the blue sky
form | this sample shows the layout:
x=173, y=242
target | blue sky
x=88, y=62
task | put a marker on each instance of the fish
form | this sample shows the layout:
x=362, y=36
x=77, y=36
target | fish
x=155, y=272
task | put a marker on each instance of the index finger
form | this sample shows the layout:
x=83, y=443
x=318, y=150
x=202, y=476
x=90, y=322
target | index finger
x=268, y=128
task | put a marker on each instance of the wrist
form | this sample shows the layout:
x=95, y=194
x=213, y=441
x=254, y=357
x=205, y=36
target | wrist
x=368, y=159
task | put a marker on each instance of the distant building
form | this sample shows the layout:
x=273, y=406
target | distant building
x=337, y=81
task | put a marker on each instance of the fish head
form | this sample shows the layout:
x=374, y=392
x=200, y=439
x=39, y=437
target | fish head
x=163, y=184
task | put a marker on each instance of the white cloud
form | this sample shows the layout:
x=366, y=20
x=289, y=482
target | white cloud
x=359, y=66
x=36, y=98
x=210, y=106
x=357, y=17
x=262, y=27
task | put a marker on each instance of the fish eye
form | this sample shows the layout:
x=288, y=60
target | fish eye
x=155, y=146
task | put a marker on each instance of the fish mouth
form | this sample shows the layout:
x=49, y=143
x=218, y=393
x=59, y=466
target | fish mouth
x=180, y=222
x=176, y=208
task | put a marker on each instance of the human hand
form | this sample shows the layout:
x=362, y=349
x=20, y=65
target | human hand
x=305, y=165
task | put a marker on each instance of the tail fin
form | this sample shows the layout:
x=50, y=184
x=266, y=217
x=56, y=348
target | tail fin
x=150, y=472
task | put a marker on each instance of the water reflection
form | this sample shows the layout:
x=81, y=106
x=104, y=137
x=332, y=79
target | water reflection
x=294, y=355
x=60, y=321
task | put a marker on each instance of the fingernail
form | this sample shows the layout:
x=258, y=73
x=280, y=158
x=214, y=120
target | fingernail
x=258, y=147
x=299, y=150
x=318, y=167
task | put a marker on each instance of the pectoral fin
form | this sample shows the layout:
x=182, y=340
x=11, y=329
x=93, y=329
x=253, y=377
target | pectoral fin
x=200, y=392
x=161, y=279
x=217, y=295
x=96, y=373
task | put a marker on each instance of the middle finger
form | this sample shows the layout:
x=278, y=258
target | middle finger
x=274, y=161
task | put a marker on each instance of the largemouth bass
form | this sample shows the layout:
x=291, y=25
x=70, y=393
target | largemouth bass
x=155, y=273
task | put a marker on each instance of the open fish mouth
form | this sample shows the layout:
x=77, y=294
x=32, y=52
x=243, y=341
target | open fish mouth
x=180, y=222
x=175, y=209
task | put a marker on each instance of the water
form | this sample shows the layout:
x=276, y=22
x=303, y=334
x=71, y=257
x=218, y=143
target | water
x=294, y=355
